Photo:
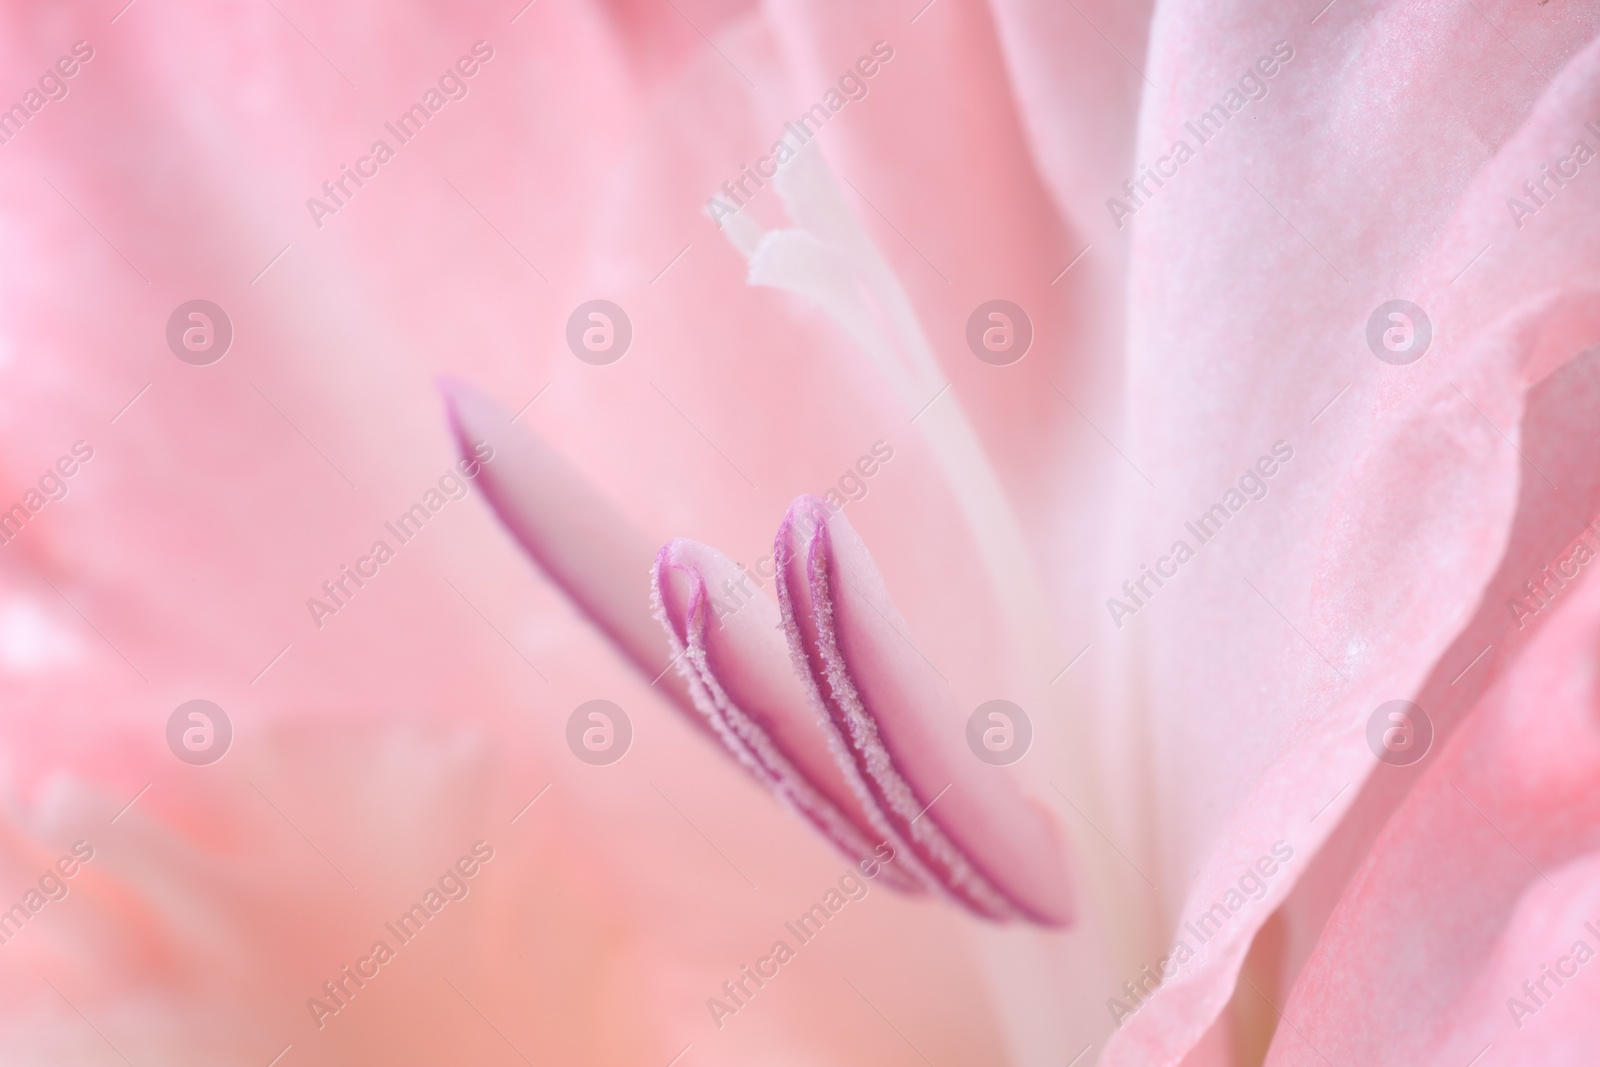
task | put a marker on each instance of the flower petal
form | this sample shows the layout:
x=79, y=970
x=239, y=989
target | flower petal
x=1370, y=560
x=1487, y=872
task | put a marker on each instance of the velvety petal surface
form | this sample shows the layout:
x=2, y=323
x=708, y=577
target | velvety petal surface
x=1343, y=514
x=1486, y=876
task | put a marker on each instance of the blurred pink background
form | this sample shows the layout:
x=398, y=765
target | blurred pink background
x=182, y=507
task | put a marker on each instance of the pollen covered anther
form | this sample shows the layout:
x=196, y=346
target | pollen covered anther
x=984, y=844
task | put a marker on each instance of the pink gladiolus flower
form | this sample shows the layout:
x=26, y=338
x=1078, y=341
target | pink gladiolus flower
x=971, y=532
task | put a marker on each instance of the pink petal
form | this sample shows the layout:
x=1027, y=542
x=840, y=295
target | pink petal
x=1372, y=558
x=1078, y=93
x=1488, y=870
